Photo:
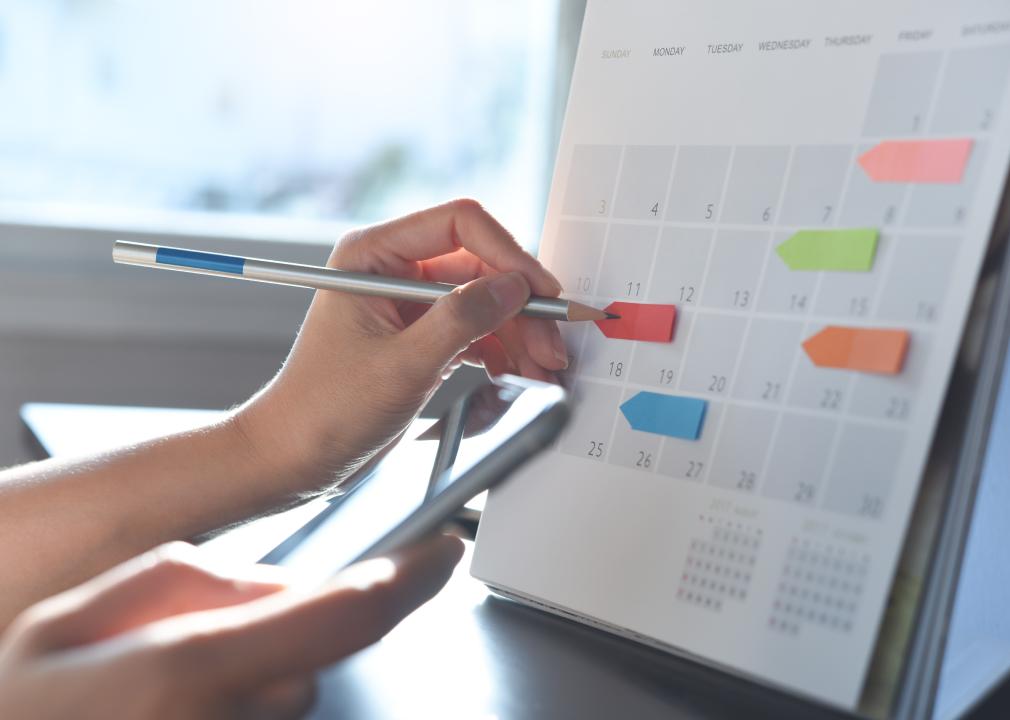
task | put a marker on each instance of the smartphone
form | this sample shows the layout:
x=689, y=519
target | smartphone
x=482, y=439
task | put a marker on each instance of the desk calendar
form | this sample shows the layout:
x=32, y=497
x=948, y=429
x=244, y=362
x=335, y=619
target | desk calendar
x=812, y=190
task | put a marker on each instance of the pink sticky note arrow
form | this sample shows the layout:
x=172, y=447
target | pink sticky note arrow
x=917, y=161
x=648, y=323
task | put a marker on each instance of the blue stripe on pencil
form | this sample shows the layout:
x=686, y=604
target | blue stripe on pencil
x=201, y=260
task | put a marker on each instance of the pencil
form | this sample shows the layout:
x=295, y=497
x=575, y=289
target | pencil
x=325, y=278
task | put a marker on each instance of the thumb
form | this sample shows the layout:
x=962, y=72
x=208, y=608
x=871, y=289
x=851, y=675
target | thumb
x=463, y=316
x=167, y=581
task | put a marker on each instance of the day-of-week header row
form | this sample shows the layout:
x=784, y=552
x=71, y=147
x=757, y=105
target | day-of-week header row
x=914, y=35
x=728, y=48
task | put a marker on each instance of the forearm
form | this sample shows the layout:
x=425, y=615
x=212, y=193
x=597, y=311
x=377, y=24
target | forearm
x=62, y=522
x=359, y=372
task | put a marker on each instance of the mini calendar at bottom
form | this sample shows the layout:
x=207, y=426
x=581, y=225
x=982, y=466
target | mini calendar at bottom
x=789, y=210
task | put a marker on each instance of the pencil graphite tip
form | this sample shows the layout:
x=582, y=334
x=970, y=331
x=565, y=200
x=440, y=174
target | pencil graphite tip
x=613, y=316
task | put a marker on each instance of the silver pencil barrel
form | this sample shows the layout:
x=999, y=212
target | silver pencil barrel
x=308, y=276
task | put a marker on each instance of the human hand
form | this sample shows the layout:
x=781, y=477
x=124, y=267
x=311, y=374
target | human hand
x=162, y=636
x=362, y=367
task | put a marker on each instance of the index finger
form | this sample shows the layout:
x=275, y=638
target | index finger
x=291, y=634
x=461, y=223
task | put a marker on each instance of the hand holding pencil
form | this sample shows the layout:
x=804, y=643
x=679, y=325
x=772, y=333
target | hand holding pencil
x=327, y=278
x=363, y=365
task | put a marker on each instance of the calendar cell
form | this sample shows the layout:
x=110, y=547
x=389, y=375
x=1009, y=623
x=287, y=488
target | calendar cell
x=604, y=358
x=697, y=184
x=658, y=364
x=919, y=277
x=863, y=470
x=852, y=295
x=868, y=203
x=892, y=397
x=689, y=459
x=945, y=205
x=771, y=347
x=901, y=93
x=591, y=180
x=796, y=467
x=588, y=434
x=815, y=185
x=733, y=273
x=973, y=85
x=755, y=182
x=631, y=448
x=817, y=388
x=628, y=260
x=645, y=175
x=578, y=247
x=784, y=290
x=743, y=445
x=680, y=266
x=714, y=344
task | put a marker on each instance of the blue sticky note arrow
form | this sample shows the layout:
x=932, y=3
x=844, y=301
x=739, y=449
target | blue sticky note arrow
x=670, y=415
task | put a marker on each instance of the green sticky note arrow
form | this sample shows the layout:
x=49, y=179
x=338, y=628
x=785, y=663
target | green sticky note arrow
x=844, y=250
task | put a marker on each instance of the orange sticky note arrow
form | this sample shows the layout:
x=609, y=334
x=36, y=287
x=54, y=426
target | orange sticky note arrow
x=648, y=323
x=917, y=161
x=863, y=349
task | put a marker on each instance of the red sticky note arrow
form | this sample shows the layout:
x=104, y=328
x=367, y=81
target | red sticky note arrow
x=862, y=349
x=648, y=323
x=917, y=161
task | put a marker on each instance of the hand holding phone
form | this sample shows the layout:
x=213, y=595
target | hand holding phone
x=483, y=438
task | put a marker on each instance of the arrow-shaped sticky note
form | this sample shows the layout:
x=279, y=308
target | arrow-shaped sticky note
x=649, y=323
x=840, y=250
x=868, y=350
x=917, y=161
x=670, y=415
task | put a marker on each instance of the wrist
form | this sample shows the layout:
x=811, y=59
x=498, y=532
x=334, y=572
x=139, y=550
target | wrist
x=289, y=455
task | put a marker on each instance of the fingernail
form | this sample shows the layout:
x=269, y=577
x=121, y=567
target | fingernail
x=560, y=349
x=555, y=282
x=509, y=290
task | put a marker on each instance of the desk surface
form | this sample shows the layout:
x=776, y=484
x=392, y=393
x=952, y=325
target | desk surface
x=465, y=654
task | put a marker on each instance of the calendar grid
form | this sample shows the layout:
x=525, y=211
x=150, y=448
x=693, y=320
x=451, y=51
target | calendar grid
x=711, y=199
x=704, y=306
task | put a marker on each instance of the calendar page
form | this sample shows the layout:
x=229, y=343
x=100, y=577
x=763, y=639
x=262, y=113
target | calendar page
x=788, y=204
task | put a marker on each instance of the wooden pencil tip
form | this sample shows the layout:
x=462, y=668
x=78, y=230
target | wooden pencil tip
x=578, y=312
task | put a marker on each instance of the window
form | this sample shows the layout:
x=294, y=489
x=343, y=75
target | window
x=321, y=110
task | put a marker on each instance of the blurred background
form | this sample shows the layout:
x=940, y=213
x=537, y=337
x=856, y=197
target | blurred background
x=251, y=126
x=350, y=111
